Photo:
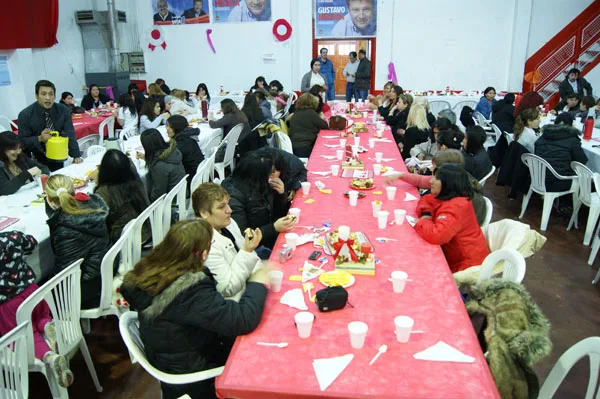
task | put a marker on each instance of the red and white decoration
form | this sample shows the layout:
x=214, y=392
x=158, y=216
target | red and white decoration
x=156, y=38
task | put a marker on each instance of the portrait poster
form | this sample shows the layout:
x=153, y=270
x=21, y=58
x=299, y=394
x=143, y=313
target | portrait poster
x=240, y=11
x=345, y=18
x=179, y=12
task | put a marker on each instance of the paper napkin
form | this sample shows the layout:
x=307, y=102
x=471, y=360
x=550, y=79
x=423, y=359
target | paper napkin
x=294, y=299
x=332, y=145
x=327, y=370
x=331, y=137
x=321, y=173
x=309, y=272
x=383, y=140
x=411, y=220
x=410, y=197
x=330, y=157
x=442, y=352
x=389, y=173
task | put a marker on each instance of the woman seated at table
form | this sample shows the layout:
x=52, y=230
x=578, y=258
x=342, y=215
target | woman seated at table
x=186, y=325
x=151, y=118
x=428, y=149
x=486, y=102
x=417, y=129
x=381, y=100
x=421, y=100
x=233, y=116
x=78, y=229
x=252, y=110
x=319, y=91
x=67, y=100
x=127, y=115
x=503, y=113
x=391, y=101
x=259, y=83
x=286, y=167
x=526, y=124
x=256, y=199
x=275, y=88
x=477, y=161
x=121, y=188
x=16, y=169
x=397, y=117
x=136, y=96
x=94, y=99
x=202, y=93
x=447, y=218
x=163, y=161
x=155, y=92
x=186, y=138
x=305, y=125
x=178, y=104
x=264, y=104
x=531, y=99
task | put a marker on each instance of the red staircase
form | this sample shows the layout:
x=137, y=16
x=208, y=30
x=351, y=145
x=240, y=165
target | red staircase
x=576, y=46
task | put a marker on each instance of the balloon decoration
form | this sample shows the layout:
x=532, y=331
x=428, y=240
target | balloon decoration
x=282, y=37
x=392, y=73
x=156, y=38
x=209, y=40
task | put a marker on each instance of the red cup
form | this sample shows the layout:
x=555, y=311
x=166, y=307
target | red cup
x=44, y=180
x=365, y=248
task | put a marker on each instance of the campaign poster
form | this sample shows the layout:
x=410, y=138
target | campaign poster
x=178, y=12
x=241, y=10
x=345, y=18
x=4, y=75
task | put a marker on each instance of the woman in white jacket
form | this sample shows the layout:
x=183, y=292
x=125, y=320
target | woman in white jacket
x=231, y=258
x=179, y=105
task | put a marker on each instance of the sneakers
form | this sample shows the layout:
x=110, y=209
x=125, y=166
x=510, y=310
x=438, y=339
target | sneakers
x=50, y=334
x=59, y=366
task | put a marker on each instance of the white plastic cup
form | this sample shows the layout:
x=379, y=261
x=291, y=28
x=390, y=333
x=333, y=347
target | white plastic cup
x=371, y=143
x=305, y=188
x=354, y=150
x=398, y=281
x=379, y=133
x=340, y=154
x=343, y=143
x=360, y=100
x=376, y=207
x=379, y=125
x=376, y=169
x=276, y=277
x=382, y=217
x=391, y=192
x=358, y=333
x=378, y=156
x=353, y=195
x=335, y=169
x=304, y=322
x=291, y=239
x=295, y=212
x=356, y=141
x=399, y=215
x=374, y=120
x=343, y=232
x=404, y=325
x=365, y=114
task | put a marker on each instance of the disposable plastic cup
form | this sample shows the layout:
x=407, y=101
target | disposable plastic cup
x=379, y=133
x=340, y=154
x=358, y=333
x=398, y=281
x=378, y=156
x=391, y=192
x=360, y=100
x=376, y=169
x=353, y=195
x=371, y=143
x=276, y=277
x=304, y=322
x=365, y=114
x=357, y=141
x=305, y=188
x=343, y=232
x=376, y=207
x=379, y=125
x=43, y=180
x=295, y=212
x=404, y=325
x=343, y=143
x=399, y=215
x=382, y=217
x=291, y=239
x=335, y=169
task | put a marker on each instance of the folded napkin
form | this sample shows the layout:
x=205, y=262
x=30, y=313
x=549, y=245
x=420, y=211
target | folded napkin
x=410, y=197
x=411, y=220
x=310, y=271
x=331, y=137
x=321, y=173
x=389, y=172
x=329, y=156
x=383, y=140
x=332, y=145
x=388, y=159
x=327, y=370
x=442, y=352
x=294, y=299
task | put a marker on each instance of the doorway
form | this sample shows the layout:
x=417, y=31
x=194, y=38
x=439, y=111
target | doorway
x=338, y=51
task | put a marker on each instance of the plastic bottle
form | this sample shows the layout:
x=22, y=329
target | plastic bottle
x=204, y=109
x=588, y=128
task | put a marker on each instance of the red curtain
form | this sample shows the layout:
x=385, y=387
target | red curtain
x=29, y=24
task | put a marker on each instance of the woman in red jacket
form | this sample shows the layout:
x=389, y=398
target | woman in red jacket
x=447, y=218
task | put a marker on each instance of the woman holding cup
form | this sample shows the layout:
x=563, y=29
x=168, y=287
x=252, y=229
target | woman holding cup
x=16, y=169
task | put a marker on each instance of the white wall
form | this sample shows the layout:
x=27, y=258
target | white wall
x=594, y=78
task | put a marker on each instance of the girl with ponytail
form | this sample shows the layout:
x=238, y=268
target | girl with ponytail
x=525, y=123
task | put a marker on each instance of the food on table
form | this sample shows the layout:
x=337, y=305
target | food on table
x=361, y=183
x=195, y=120
x=336, y=278
x=359, y=127
x=360, y=195
x=78, y=182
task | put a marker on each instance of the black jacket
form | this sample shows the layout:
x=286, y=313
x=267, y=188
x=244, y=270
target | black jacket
x=305, y=125
x=514, y=172
x=10, y=184
x=565, y=88
x=88, y=102
x=295, y=170
x=502, y=116
x=190, y=327
x=397, y=121
x=363, y=75
x=191, y=156
x=478, y=164
x=165, y=172
x=412, y=137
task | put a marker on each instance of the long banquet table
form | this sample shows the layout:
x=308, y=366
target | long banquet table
x=431, y=299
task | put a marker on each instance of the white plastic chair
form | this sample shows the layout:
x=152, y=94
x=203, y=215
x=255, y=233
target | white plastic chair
x=178, y=191
x=509, y=137
x=489, y=211
x=493, y=136
x=14, y=376
x=291, y=100
x=480, y=120
x=537, y=169
x=212, y=145
x=484, y=179
x=94, y=149
x=153, y=213
x=63, y=295
x=6, y=124
x=108, y=123
x=586, y=347
x=461, y=104
x=230, y=142
x=514, y=265
x=125, y=134
x=87, y=142
x=586, y=197
x=437, y=106
x=130, y=332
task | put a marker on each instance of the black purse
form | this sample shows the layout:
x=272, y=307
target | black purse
x=331, y=298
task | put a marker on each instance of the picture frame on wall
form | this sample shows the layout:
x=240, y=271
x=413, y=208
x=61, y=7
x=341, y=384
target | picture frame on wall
x=241, y=11
x=335, y=19
x=180, y=12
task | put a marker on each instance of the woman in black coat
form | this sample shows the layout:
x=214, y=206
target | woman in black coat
x=16, y=169
x=186, y=138
x=477, y=161
x=185, y=323
x=94, y=99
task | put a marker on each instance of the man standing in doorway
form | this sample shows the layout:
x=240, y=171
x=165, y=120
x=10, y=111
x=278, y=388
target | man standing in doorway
x=363, y=76
x=350, y=74
x=328, y=71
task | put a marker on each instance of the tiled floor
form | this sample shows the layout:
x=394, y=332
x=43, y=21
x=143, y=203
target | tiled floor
x=558, y=278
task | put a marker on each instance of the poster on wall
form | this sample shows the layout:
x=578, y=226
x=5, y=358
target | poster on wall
x=4, y=76
x=178, y=12
x=241, y=10
x=345, y=18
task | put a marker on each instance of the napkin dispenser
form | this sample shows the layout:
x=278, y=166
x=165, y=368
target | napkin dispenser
x=57, y=147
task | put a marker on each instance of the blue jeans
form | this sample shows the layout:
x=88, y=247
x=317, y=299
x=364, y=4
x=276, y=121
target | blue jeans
x=350, y=91
x=331, y=91
x=361, y=94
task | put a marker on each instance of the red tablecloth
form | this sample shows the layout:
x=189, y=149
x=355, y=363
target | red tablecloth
x=431, y=299
x=87, y=124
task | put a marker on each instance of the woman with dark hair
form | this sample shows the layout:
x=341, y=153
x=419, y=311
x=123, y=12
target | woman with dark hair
x=531, y=99
x=397, y=117
x=275, y=87
x=264, y=104
x=136, y=96
x=305, y=125
x=477, y=161
x=450, y=139
x=390, y=104
x=255, y=202
x=186, y=325
x=428, y=149
x=313, y=77
x=486, y=102
x=94, y=99
x=186, y=138
x=121, y=188
x=202, y=93
x=259, y=83
x=151, y=118
x=526, y=124
x=15, y=168
x=447, y=218
x=66, y=99
x=287, y=167
x=155, y=92
x=503, y=113
x=233, y=116
x=323, y=107
x=252, y=110
x=128, y=115
x=163, y=161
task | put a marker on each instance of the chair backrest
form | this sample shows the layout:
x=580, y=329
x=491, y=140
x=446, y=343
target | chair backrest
x=154, y=214
x=126, y=261
x=205, y=172
x=484, y=179
x=129, y=326
x=95, y=149
x=537, y=170
x=178, y=191
x=7, y=124
x=125, y=134
x=212, y=144
x=514, y=265
x=489, y=210
x=497, y=131
x=232, y=141
x=586, y=347
x=480, y=119
x=293, y=96
x=63, y=295
x=14, y=373
x=108, y=123
x=437, y=106
x=461, y=104
x=585, y=177
x=509, y=137
x=88, y=141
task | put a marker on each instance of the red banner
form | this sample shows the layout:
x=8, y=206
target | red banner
x=29, y=24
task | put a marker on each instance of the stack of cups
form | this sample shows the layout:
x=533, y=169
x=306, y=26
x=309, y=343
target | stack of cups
x=335, y=169
x=404, y=325
x=382, y=217
x=353, y=195
x=276, y=277
x=358, y=333
x=291, y=240
x=399, y=281
x=391, y=192
x=304, y=322
x=305, y=188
